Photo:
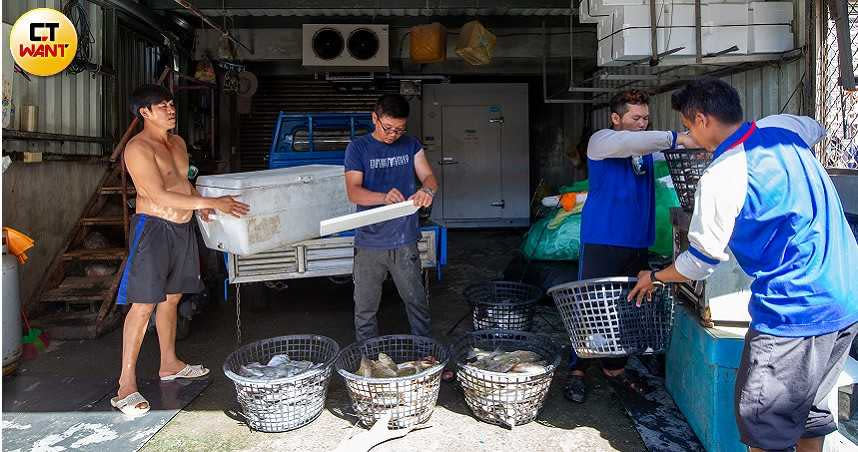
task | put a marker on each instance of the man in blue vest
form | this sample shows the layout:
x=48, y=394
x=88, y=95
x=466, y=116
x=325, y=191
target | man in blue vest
x=767, y=197
x=618, y=220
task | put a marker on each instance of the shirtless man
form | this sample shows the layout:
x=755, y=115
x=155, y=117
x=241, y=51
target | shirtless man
x=163, y=260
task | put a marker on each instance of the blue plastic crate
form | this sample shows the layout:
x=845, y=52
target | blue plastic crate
x=701, y=375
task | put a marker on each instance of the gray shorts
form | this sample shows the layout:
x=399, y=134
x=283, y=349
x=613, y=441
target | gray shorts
x=782, y=385
x=163, y=258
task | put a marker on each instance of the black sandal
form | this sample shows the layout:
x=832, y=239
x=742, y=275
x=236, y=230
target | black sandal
x=575, y=389
x=629, y=381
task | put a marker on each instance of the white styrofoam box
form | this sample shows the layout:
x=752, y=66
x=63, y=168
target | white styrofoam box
x=367, y=217
x=584, y=12
x=598, y=7
x=671, y=15
x=286, y=206
x=771, y=39
x=634, y=43
x=604, y=27
x=767, y=13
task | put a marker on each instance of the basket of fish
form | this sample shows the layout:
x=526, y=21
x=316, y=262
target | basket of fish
x=400, y=374
x=602, y=323
x=281, y=383
x=502, y=305
x=505, y=375
x=686, y=166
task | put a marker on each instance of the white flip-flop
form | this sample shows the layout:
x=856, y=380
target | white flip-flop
x=188, y=372
x=128, y=405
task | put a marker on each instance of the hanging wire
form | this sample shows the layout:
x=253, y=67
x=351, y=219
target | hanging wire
x=76, y=12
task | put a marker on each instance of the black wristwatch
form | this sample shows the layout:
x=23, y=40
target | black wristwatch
x=654, y=279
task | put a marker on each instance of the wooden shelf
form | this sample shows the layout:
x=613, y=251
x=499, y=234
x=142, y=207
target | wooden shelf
x=42, y=136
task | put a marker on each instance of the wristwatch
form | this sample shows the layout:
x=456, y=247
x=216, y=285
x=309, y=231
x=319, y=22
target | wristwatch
x=428, y=190
x=655, y=281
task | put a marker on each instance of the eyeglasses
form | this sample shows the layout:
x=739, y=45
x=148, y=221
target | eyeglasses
x=389, y=130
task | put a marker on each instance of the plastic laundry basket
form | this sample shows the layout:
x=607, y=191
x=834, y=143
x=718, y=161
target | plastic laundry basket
x=601, y=323
x=285, y=403
x=502, y=305
x=506, y=399
x=686, y=166
x=410, y=399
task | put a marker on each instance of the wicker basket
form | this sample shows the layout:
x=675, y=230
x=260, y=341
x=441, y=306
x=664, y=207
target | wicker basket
x=601, y=323
x=410, y=399
x=686, y=166
x=285, y=403
x=506, y=399
x=502, y=305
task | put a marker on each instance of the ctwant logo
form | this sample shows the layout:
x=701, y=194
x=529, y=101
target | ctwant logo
x=43, y=41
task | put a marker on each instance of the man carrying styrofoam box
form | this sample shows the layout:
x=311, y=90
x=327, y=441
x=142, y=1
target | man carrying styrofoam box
x=767, y=197
x=380, y=170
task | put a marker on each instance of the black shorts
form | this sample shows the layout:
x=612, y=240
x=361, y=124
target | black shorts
x=163, y=259
x=782, y=385
x=607, y=261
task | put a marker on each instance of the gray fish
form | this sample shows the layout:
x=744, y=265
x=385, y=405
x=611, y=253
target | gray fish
x=518, y=361
x=365, y=369
x=385, y=367
x=528, y=368
x=279, y=366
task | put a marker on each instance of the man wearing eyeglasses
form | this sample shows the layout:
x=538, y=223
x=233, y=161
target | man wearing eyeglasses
x=383, y=168
x=618, y=220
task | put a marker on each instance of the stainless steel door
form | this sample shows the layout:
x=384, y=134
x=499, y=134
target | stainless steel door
x=471, y=162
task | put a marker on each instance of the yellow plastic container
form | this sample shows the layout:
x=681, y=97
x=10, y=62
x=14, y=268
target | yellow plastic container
x=476, y=44
x=428, y=43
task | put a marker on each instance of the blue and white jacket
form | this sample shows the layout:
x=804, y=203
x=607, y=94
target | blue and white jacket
x=767, y=197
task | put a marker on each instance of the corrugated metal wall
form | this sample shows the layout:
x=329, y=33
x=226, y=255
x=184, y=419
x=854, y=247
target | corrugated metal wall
x=284, y=93
x=68, y=104
x=137, y=62
x=764, y=92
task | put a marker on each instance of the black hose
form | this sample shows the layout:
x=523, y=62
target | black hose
x=76, y=12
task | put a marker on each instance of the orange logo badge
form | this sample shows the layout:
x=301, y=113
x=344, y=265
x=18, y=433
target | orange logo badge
x=43, y=41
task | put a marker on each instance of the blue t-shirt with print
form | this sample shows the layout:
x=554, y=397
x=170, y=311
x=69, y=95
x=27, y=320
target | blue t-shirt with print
x=384, y=167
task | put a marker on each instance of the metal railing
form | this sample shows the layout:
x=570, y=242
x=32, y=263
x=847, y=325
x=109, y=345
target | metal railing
x=837, y=108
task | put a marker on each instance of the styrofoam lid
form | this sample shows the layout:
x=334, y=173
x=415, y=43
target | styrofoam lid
x=270, y=178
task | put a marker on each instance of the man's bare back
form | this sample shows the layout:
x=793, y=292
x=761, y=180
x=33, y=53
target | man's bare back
x=170, y=159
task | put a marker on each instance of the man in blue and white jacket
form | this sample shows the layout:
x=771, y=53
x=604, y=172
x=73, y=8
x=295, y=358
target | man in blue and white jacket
x=767, y=197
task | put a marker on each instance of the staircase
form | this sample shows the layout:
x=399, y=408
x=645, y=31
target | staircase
x=79, y=291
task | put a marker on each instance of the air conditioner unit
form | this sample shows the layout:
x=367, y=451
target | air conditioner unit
x=346, y=46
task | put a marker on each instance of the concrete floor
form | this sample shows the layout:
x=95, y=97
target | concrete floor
x=320, y=307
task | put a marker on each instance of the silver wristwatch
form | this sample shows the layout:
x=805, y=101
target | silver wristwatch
x=428, y=190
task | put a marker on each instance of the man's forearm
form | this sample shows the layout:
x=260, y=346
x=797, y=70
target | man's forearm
x=181, y=201
x=431, y=183
x=366, y=198
x=621, y=144
x=670, y=274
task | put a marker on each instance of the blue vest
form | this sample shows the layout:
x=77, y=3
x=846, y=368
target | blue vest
x=620, y=207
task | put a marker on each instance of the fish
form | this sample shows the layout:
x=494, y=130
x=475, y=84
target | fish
x=518, y=361
x=385, y=367
x=529, y=368
x=279, y=366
